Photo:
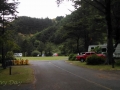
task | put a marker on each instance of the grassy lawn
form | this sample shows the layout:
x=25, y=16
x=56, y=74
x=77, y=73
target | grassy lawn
x=44, y=58
x=22, y=73
x=19, y=75
x=98, y=67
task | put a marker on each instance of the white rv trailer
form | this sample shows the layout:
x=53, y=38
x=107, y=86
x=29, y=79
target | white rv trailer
x=18, y=54
x=117, y=51
x=116, y=54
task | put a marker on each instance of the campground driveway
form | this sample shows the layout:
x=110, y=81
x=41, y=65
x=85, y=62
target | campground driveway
x=60, y=75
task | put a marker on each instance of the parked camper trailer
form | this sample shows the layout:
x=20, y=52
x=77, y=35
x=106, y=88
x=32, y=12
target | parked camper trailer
x=18, y=54
x=117, y=51
x=103, y=47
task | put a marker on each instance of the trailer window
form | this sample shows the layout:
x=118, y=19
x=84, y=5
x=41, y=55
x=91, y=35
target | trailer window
x=103, y=49
x=92, y=48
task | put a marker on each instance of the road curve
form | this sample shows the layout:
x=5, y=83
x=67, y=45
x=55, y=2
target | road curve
x=60, y=75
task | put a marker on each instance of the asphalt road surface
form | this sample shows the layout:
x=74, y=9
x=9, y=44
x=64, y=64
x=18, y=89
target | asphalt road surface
x=60, y=75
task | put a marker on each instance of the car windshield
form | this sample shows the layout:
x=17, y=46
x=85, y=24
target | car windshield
x=82, y=53
x=87, y=53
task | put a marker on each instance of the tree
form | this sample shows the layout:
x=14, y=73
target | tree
x=105, y=7
x=48, y=48
x=6, y=9
x=74, y=32
x=41, y=47
x=28, y=25
x=27, y=47
x=58, y=18
x=83, y=24
x=116, y=21
x=46, y=35
x=36, y=43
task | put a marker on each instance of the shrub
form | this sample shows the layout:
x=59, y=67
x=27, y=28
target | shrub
x=94, y=60
x=48, y=54
x=72, y=57
x=35, y=53
x=117, y=62
x=9, y=56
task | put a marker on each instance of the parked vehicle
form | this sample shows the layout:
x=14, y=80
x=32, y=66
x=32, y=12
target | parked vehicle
x=82, y=53
x=103, y=47
x=83, y=57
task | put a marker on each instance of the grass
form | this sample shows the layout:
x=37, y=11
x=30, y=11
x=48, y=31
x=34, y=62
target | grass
x=19, y=75
x=78, y=63
x=97, y=67
x=44, y=58
x=24, y=73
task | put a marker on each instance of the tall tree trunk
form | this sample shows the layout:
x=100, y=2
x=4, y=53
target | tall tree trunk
x=3, y=51
x=3, y=57
x=110, y=48
x=86, y=44
x=78, y=45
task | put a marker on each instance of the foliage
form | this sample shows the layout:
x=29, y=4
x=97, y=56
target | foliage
x=28, y=25
x=7, y=14
x=97, y=49
x=48, y=49
x=72, y=57
x=109, y=9
x=41, y=47
x=117, y=62
x=10, y=56
x=59, y=18
x=35, y=53
x=27, y=47
x=47, y=35
x=71, y=34
x=94, y=60
x=85, y=24
x=36, y=43
x=8, y=8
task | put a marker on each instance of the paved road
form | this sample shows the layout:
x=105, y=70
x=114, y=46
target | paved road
x=60, y=75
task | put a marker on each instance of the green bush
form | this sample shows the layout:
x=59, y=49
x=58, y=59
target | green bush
x=9, y=56
x=48, y=54
x=95, y=60
x=72, y=57
x=35, y=53
x=117, y=62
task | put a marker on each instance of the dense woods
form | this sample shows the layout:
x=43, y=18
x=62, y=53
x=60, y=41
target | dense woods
x=93, y=22
x=27, y=25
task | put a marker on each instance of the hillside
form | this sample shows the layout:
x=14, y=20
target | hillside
x=28, y=25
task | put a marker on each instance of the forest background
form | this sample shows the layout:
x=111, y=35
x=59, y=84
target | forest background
x=63, y=35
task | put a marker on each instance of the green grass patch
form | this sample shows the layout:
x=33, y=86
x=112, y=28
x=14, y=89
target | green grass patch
x=19, y=75
x=98, y=67
x=44, y=58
